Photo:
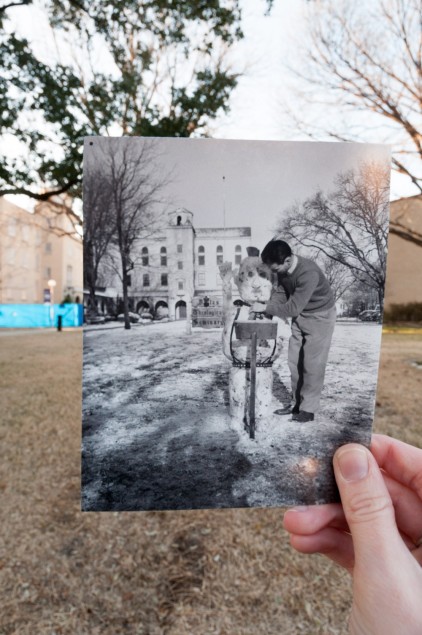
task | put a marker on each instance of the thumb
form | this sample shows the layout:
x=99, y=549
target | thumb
x=367, y=505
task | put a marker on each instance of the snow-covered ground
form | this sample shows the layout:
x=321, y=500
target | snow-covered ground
x=156, y=429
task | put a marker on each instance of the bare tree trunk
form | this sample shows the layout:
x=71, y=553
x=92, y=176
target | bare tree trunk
x=126, y=302
x=381, y=298
x=125, y=289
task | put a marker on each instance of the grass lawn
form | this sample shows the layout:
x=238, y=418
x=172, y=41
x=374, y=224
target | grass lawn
x=218, y=572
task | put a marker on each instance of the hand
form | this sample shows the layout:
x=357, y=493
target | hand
x=258, y=307
x=375, y=534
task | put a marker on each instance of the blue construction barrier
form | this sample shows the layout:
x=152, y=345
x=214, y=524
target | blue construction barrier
x=40, y=315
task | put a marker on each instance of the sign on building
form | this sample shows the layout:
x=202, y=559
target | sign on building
x=208, y=313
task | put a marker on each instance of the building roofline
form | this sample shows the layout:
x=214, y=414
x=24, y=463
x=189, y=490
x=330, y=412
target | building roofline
x=241, y=231
x=406, y=198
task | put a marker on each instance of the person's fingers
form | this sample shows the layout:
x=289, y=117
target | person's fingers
x=333, y=543
x=408, y=508
x=401, y=461
x=417, y=554
x=310, y=519
x=367, y=506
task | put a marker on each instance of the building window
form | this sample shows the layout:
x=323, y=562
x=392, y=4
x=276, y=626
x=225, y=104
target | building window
x=145, y=280
x=164, y=280
x=179, y=249
x=145, y=257
x=25, y=259
x=180, y=265
x=163, y=254
x=180, y=285
x=219, y=255
x=201, y=279
x=201, y=255
x=25, y=233
x=48, y=273
x=48, y=248
x=10, y=256
x=237, y=255
x=69, y=275
x=12, y=227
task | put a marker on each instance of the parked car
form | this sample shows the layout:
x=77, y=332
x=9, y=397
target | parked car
x=370, y=315
x=133, y=317
x=92, y=317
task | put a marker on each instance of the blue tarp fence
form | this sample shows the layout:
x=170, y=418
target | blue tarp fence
x=40, y=315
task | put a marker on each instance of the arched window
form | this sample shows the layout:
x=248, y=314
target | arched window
x=179, y=220
x=219, y=255
x=163, y=254
x=145, y=257
x=237, y=255
x=201, y=255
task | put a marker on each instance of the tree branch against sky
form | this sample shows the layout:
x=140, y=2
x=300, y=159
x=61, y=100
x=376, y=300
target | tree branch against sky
x=156, y=68
x=99, y=224
x=134, y=184
x=362, y=80
x=348, y=225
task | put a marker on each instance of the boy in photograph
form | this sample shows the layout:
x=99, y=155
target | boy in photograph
x=304, y=295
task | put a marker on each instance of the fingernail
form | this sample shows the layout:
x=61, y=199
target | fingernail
x=302, y=508
x=353, y=464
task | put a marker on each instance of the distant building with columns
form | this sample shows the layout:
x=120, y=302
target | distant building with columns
x=180, y=262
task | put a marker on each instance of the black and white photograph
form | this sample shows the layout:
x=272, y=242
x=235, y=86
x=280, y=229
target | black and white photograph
x=234, y=294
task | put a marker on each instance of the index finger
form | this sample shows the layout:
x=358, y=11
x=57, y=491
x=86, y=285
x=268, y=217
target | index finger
x=399, y=460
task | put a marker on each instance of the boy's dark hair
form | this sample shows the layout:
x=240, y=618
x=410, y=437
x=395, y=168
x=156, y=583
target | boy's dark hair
x=275, y=252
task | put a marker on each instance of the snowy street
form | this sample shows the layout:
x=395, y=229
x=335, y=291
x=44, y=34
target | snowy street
x=156, y=428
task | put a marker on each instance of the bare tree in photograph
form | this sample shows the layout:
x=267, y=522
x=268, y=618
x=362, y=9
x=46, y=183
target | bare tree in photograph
x=135, y=184
x=348, y=225
x=99, y=225
x=367, y=58
x=338, y=275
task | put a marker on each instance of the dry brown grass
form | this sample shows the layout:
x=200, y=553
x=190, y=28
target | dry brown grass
x=203, y=572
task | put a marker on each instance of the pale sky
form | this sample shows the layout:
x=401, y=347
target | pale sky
x=262, y=178
x=270, y=42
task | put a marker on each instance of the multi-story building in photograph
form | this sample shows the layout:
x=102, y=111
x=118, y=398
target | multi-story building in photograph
x=40, y=256
x=178, y=263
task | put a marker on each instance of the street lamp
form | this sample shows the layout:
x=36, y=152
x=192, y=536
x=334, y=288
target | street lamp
x=51, y=284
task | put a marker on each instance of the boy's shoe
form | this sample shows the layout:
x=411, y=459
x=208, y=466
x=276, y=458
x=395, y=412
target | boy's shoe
x=288, y=410
x=303, y=416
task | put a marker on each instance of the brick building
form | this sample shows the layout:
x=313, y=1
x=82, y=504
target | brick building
x=32, y=253
x=404, y=262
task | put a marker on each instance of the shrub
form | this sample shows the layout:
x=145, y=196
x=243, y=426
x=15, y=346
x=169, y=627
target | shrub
x=411, y=312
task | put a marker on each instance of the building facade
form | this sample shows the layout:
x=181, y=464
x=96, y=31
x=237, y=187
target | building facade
x=178, y=265
x=404, y=262
x=36, y=248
